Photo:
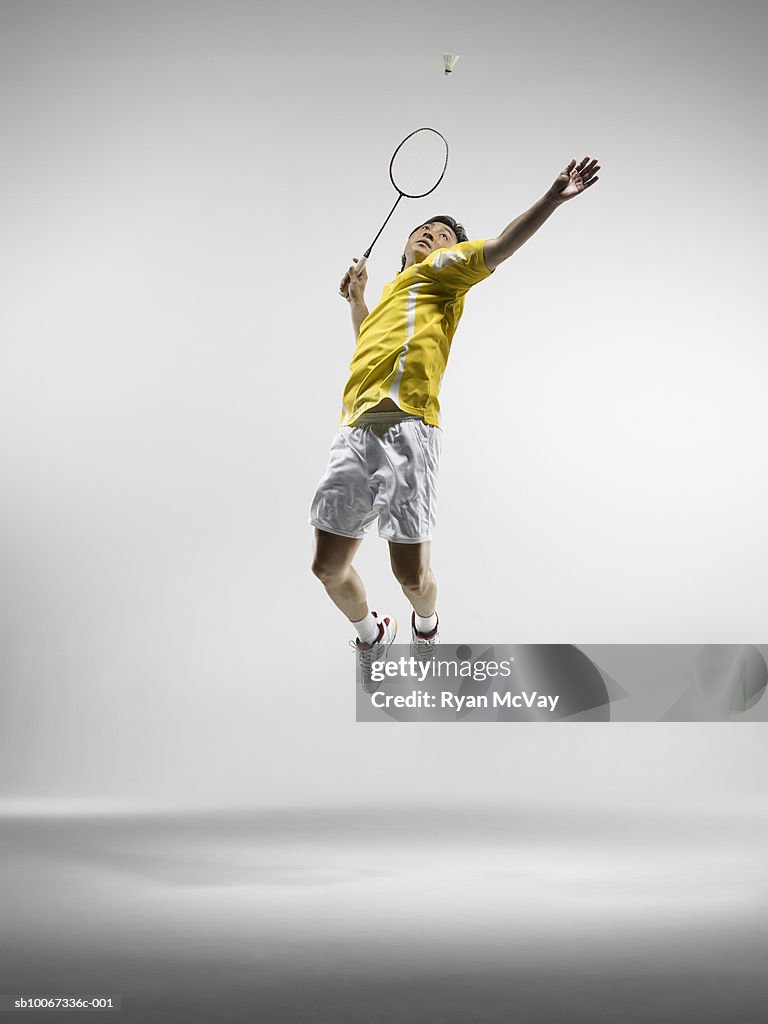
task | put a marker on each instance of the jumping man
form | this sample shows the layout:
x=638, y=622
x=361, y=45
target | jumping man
x=385, y=456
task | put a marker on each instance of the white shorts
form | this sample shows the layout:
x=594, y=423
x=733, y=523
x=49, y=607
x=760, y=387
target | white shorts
x=385, y=467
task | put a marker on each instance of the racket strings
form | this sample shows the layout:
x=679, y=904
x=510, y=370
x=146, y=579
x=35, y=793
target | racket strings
x=419, y=163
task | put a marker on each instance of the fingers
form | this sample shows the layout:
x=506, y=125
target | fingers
x=344, y=286
x=589, y=169
x=359, y=273
x=348, y=276
x=351, y=270
x=584, y=173
x=354, y=280
x=586, y=167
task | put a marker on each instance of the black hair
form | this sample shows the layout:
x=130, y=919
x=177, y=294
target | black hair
x=443, y=218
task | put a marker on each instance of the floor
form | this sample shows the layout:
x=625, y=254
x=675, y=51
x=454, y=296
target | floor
x=382, y=914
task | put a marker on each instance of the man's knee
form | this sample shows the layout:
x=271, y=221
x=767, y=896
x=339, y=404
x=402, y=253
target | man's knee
x=412, y=577
x=328, y=573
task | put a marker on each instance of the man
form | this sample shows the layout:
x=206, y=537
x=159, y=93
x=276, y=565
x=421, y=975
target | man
x=385, y=456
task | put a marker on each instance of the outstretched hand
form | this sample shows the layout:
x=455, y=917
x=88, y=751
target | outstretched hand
x=574, y=179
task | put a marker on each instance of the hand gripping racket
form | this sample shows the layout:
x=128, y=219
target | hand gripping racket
x=416, y=169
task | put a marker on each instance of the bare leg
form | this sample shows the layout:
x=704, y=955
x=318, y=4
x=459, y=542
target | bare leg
x=332, y=565
x=410, y=564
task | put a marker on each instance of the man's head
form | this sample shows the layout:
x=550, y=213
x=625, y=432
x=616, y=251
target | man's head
x=440, y=232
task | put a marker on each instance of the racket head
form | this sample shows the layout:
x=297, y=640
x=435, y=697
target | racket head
x=419, y=162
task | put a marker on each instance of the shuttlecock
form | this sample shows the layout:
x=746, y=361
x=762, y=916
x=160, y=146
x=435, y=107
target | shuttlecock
x=449, y=59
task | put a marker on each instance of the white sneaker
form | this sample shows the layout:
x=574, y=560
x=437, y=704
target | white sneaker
x=377, y=651
x=423, y=645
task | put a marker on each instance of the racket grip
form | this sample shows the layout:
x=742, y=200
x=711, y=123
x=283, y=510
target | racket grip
x=358, y=267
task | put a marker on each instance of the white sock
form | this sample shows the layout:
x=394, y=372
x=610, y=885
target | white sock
x=367, y=629
x=426, y=625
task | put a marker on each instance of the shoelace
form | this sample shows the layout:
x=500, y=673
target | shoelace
x=364, y=655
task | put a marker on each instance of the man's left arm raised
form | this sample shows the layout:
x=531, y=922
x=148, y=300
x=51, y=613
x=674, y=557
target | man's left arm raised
x=571, y=182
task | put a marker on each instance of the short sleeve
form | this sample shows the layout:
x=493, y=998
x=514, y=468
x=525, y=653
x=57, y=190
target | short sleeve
x=461, y=266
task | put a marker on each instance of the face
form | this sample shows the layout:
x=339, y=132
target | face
x=428, y=238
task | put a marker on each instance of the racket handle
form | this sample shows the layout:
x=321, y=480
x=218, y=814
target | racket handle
x=358, y=267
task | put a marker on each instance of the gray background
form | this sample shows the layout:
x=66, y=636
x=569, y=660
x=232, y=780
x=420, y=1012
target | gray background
x=182, y=187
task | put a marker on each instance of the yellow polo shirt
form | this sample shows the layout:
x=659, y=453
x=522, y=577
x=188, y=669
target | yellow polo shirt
x=404, y=342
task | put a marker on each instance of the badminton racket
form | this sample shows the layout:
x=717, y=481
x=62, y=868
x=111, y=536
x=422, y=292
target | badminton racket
x=416, y=169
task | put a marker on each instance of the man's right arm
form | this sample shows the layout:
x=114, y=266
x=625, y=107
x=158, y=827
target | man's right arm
x=359, y=312
x=354, y=287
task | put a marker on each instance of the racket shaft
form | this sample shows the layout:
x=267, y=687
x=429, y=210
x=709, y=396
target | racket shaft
x=359, y=266
x=370, y=247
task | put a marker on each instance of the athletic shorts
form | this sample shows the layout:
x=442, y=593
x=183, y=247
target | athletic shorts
x=385, y=467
